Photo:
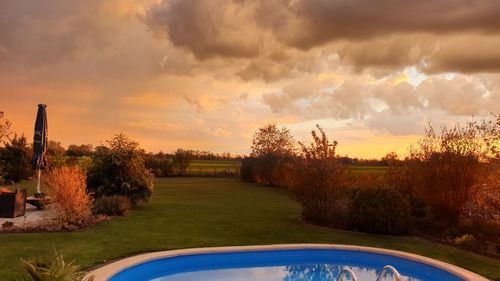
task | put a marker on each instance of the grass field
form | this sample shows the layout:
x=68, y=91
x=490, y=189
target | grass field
x=201, y=212
x=213, y=167
x=216, y=167
x=360, y=170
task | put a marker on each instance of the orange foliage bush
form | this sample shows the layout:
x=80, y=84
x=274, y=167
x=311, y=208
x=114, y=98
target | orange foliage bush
x=67, y=188
x=445, y=169
x=321, y=182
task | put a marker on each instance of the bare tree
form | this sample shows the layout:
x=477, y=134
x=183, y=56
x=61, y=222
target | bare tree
x=5, y=125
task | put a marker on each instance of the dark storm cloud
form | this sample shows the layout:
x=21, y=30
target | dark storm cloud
x=387, y=34
x=324, y=20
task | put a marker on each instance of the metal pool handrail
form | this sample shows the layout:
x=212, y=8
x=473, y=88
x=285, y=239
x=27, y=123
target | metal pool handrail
x=348, y=272
x=389, y=268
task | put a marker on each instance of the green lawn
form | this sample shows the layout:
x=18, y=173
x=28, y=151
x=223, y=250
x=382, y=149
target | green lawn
x=200, y=212
x=30, y=185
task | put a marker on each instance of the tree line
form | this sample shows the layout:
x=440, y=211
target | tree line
x=427, y=190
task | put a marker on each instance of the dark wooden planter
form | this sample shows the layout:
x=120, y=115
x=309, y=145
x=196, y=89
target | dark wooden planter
x=13, y=204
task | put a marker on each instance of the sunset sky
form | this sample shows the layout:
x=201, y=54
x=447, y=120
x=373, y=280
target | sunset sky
x=205, y=74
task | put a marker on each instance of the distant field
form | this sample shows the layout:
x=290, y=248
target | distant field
x=215, y=163
x=213, y=167
x=220, y=167
x=359, y=170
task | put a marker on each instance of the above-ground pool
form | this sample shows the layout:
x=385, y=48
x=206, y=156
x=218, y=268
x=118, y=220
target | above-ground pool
x=280, y=263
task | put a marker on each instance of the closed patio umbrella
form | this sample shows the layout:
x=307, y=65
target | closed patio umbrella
x=40, y=142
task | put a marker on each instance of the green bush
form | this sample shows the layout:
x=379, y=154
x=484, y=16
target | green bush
x=111, y=205
x=248, y=169
x=182, y=159
x=160, y=167
x=381, y=210
x=273, y=170
x=15, y=158
x=118, y=169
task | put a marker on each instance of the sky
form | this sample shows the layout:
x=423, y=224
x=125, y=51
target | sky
x=206, y=74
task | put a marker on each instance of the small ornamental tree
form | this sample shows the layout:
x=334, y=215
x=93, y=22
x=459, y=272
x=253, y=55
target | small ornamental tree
x=5, y=125
x=321, y=180
x=271, y=140
x=118, y=169
x=273, y=152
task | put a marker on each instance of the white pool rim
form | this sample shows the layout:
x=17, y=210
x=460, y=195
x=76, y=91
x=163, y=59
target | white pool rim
x=107, y=271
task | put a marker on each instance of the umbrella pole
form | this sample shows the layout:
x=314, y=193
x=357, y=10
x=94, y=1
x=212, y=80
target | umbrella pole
x=38, y=184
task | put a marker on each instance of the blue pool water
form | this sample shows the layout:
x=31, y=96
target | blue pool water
x=280, y=265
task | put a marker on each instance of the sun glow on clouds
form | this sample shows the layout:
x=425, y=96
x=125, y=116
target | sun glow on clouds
x=206, y=74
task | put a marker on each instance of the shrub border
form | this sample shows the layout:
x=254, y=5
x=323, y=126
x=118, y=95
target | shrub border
x=107, y=271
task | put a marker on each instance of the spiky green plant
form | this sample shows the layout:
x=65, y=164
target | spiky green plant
x=52, y=268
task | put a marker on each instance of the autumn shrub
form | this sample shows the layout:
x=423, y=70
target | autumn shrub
x=381, y=210
x=447, y=166
x=269, y=169
x=67, y=188
x=320, y=181
x=283, y=174
x=114, y=205
x=118, y=169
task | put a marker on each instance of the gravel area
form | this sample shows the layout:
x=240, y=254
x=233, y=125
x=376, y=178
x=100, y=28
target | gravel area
x=32, y=218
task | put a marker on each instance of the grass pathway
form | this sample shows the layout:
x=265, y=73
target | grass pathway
x=200, y=212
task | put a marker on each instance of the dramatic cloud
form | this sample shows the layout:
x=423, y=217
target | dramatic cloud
x=207, y=27
x=320, y=21
x=389, y=33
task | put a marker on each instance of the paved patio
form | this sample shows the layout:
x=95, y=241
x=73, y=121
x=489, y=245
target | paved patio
x=32, y=218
